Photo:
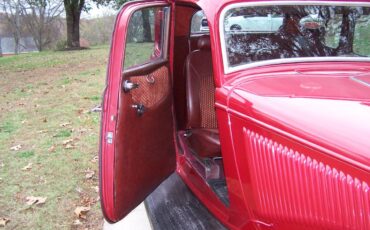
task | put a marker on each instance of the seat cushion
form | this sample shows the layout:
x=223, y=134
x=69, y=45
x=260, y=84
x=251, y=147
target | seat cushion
x=205, y=142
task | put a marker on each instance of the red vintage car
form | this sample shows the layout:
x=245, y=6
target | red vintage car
x=261, y=107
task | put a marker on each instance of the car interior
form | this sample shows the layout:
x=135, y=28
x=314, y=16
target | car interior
x=197, y=129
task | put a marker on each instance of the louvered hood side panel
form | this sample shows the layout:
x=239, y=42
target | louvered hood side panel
x=290, y=187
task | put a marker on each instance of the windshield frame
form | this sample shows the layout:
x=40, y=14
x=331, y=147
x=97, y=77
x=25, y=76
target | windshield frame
x=230, y=69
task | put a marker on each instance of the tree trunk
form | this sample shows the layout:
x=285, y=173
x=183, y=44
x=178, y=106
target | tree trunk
x=146, y=26
x=17, y=35
x=73, y=13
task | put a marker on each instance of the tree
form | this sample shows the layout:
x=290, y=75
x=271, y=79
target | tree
x=11, y=8
x=144, y=15
x=41, y=18
x=73, y=9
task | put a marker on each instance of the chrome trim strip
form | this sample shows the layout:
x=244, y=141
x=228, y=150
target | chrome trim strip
x=228, y=69
x=360, y=81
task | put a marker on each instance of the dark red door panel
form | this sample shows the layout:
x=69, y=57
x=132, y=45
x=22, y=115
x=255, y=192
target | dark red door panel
x=137, y=147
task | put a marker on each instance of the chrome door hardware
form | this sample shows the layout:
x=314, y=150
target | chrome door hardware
x=128, y=85
x=140, y=109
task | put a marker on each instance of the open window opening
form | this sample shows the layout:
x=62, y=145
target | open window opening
x=194, y=90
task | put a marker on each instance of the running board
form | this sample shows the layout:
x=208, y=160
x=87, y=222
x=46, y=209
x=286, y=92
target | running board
x=172, y=206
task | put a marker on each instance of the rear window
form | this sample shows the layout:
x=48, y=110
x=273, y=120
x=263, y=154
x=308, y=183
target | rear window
x=261, y=33
x=199, y=24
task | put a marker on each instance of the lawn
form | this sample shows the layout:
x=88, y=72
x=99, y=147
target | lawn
x=49, y=138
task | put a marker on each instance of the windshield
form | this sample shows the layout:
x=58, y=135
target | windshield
x=260, y=33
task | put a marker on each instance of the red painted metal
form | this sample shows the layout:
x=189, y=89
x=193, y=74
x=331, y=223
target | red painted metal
x=286, y=184
x=110, y=106
x=295, y=148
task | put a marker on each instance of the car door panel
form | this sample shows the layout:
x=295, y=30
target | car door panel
x=144, y=141
x=137, y=146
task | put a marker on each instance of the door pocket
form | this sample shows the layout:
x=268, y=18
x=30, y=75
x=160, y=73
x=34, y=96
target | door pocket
x=153, y=88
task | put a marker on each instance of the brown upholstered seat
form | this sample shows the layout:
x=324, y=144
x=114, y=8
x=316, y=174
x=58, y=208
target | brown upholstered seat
x=200, y=92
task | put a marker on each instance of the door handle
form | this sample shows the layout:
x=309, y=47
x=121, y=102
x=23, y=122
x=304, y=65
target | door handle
x=140, y=109
x=129, y=85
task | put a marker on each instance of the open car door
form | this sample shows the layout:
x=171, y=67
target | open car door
x=137, y=145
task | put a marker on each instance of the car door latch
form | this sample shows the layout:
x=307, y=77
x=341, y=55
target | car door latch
x=129, y=85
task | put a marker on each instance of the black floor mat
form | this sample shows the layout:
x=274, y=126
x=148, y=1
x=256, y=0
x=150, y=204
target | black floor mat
x=173, y=206
x=219, y=187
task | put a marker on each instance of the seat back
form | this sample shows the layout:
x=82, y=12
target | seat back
x=200, y=88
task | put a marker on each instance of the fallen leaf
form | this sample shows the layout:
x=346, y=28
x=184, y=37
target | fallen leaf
x=37, y=200
x=67, y=141
x=42, y=131
x=79, y=190
x=81, y=211
x=96, y=109
x=77, y=222
x=65, y=124
x=69, y=146
x=96, y=188
x=27, y=167
x=3, y=221
x=16, y=147
x=51, y=149
x=95, y=159
x=89, y=174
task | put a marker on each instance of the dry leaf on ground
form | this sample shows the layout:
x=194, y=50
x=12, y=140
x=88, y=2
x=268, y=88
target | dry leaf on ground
x=81, y=211
x=89, y=174
x=16, y=147
x=51, y=149
x=65, y=124
x=69, y=146
x=67, y=141
x=42, y=131
x=27, y=167
x=77, y=222
x=3, y=221
x=95, y=159
x=37, y=200
x=96, y=188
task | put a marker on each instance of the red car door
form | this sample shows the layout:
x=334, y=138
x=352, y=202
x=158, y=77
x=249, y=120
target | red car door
x=137, y=146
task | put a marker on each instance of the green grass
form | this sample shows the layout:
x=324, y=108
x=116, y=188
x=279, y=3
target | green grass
x=137, y=53
x=25, y=154
x=63, y=133
x=40, y=93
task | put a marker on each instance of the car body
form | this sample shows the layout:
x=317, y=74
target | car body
x=283, y=123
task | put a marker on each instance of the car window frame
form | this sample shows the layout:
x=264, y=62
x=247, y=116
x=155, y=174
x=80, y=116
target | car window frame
x=165, y=41
x=231, y=69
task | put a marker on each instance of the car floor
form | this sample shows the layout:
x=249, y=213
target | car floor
x=172, y=206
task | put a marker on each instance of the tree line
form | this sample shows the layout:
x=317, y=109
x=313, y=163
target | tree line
x=39, y=19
